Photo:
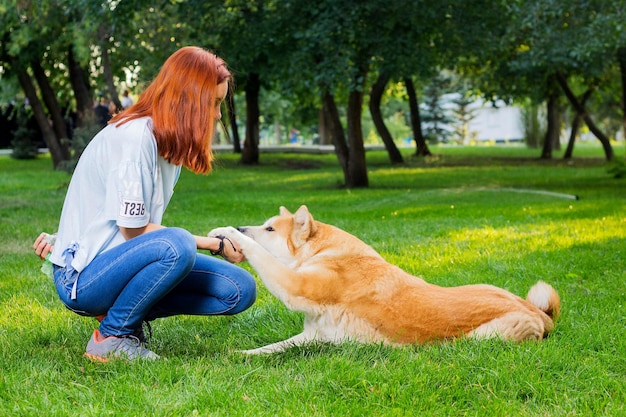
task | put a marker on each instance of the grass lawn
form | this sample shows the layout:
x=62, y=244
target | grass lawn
x=466, y=215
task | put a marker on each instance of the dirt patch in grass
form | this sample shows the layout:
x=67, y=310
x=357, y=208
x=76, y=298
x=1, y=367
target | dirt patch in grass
x=454, y=161
x=298, y=164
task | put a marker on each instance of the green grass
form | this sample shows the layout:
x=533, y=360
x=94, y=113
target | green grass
x=453, y=219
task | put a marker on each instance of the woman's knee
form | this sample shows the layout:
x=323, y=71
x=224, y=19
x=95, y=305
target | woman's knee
x=181, y=242
x=181, y=237
x=247, y=292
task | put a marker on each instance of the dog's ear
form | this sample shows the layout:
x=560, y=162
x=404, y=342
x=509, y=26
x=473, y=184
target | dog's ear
x=304, y=225
x=283, y=211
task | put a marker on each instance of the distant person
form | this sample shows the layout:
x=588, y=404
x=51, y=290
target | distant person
x=102, y=112
x=293, y=136
x=112, y=258
x=127, y=100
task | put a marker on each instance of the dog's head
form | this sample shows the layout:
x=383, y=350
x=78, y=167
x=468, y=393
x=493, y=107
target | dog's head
x=285, y=234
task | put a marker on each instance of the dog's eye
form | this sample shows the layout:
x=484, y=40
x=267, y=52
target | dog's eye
x=269, y=229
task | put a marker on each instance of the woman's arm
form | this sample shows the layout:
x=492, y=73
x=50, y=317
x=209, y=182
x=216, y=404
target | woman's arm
x=229, y=251
x=131, y=232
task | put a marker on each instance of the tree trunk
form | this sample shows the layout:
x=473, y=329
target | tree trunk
x=421, y=148
x=82, y=94
x=54, y=110
x=575, y=127
x=250, y=154
x=232, y=118
x=335, y=131
x=552, y=130
x=558, y=122
x=580, y=109
x=621, y=57
x=569, y=151
x=376, y=93
x=106, y=68
x=356, y=158
x=322, y=128
x=52, y=142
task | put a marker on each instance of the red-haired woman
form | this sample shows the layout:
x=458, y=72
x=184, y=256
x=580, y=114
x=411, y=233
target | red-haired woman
x=112, y=258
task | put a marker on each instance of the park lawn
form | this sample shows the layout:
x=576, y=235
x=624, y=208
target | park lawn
x=465, y=215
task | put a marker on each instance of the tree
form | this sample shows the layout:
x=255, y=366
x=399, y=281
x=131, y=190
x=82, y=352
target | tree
x=332, y=52
x=416, y=119
x=575, y=126
x=554, y=42
x=463, y=114
x=323, y=54
x=411, y=55
x=443, y=36
x=232, y=119
x=48, y=43
x=22, y=52
x=436, y=115
x=376, y=93
x=247, y=34
x=553, y=129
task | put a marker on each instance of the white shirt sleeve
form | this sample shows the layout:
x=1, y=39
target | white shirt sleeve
x=134, y=183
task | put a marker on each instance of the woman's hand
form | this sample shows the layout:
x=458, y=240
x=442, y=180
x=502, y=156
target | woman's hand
x=222, y=246
x=44, y=244
x=231, y=250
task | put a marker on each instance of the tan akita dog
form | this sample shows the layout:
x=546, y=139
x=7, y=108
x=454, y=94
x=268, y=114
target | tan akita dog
x=347, y=291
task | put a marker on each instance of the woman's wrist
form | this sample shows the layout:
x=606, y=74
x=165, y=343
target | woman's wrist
x=219, y=251
x=209, y=243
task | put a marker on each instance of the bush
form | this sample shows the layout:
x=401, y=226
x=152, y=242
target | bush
x=618, y=168
x=80, y=139
x=25, y=143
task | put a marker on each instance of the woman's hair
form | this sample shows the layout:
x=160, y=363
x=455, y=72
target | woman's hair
x=181, y=101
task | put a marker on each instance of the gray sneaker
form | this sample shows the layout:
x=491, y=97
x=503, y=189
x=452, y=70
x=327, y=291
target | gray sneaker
x=127, y=347
x=140, y=333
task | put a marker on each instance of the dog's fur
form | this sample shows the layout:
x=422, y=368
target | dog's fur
x=349, y=292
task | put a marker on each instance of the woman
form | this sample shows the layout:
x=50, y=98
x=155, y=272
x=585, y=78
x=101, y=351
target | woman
x=112, y=258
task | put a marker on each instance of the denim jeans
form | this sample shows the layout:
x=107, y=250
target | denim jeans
x=157, y=274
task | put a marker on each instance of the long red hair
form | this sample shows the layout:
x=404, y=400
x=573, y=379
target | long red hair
x=181, y=101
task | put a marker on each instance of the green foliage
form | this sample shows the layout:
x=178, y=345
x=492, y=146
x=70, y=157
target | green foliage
x=534, y=125
x=463, y=115
x=453, y=218
x=435, y=116
x=618, y=168
x=25, y=142
x=79, y=141
x=507, y=49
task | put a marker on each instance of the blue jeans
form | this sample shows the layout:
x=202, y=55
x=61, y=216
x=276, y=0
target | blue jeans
x=157, y=274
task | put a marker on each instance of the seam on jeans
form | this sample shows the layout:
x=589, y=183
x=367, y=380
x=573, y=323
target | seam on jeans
x=229, y=279
x=115, y=262
x=135, y=249
x=177, y=257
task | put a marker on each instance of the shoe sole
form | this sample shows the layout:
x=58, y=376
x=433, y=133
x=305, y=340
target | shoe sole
x=100, y=359
x=95, y=358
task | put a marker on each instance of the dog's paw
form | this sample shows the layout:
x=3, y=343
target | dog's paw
x=229, y=232
x=246, y=244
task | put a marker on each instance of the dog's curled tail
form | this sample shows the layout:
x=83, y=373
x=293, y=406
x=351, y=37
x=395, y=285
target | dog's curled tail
x=544, y=297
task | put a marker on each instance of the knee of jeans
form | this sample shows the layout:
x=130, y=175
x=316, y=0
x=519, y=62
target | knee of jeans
x=248, y=292
x=183, y=242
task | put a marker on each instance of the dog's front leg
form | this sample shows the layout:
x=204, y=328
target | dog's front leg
x=297, y=340
x=277, y=277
